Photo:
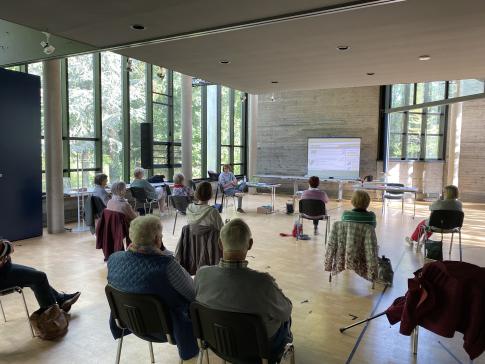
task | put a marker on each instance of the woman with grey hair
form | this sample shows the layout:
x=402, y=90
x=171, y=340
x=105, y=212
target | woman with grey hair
x=179, y=189
x=146, y=268
x=119, y=203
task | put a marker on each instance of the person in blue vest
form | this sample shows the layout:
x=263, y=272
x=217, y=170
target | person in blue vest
x=231, y=186
x=148, y=267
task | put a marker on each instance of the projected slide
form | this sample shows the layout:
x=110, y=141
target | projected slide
x=334, y=157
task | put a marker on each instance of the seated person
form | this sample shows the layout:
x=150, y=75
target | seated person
x=179, y=189
x=13, y=275
x=448, y=201
x=200, y=212
x=314, y=193
x=146, y=267
x=119, y=203
x=100, y=182
x=152, y=193
x=230, y=185
x=360, y=201
x=232, y=286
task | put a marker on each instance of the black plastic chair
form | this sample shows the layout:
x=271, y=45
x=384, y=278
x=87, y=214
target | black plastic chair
x=19, y=290
x=140, y=196
x=213, y=176
x=447, y=222
x=393, y=195
x=142, y=314
x=180, y=204
x=314, y=210
x=232, y=336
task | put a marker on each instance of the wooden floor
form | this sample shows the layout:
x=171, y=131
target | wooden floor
x=319, y=307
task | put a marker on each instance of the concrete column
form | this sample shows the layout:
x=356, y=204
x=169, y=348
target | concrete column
x=187, y=127
x=252, y=136
x=53, y=146
x=454, y=143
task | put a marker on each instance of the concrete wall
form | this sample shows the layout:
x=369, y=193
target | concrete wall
x=472, y=154
x=285, y=124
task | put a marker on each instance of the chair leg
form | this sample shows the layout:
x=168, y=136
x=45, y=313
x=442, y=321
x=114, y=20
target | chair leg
x=330, y=277
x=402, y=205
x=3, y=312
x=120, y=344
x=201, y=356
x=175, y=222
x=27, y=312
x=326, y=229
x=451, y=244
x=207, y=355
x=459, y=243
x=415, y=338
x=152, y=357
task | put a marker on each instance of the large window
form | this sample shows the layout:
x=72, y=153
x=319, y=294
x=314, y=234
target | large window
x=81, y=132
x=105, y=97
x=137, y=110
x=112, y=116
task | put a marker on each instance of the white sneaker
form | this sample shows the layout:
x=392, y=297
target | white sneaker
x=409, y=240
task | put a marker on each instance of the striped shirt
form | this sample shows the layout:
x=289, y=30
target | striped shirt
x=360, y=216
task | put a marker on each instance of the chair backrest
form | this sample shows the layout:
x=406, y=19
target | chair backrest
x=230, y=335
x=180, y=203
x=213, y=176
x=97, y=205
x=139, y=194
x=446, y=219
x=394, y=193
x=145, y=315
x=312, y=207
x=168, y=191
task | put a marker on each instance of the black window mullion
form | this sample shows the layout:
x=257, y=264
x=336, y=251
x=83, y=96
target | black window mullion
x=65, y=115
x=170, y=147
x=244, y=133
x=219, y=110
x=149, y=101
x=231, y=125
x=404, y=153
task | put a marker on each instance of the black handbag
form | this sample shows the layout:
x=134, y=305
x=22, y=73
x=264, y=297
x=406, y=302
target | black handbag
x=385, y=274
x=433, y=249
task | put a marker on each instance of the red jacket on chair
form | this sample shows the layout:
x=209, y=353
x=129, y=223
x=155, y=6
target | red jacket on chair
x=112, y=228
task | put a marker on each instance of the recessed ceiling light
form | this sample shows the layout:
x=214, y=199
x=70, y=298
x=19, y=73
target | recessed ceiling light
x=424, y=57
x=370, y=73
x=343, y=47
x=274, y=81
x=225, y=61
x=137, y=27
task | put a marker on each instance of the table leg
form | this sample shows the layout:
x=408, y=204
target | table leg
x=414, y=213
x=340, y=190
x=273, y=198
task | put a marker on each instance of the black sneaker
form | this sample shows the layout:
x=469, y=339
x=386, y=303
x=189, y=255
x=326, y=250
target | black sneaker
x=241, y=211
x=68, y=300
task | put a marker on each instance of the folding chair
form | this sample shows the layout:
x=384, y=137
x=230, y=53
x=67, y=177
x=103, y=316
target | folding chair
x=446, y=222
x=140, y=196
x=180, y=204
x=393, y=195
x=314, y=210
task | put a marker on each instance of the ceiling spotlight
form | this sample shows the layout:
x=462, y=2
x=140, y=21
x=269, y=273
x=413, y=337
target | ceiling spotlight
x=224, y=61
x=274, y=82
x=343, y=47
x=424, y=57
x=137, y=27
x=129, y=65
x=47, y=48
x=370, y=73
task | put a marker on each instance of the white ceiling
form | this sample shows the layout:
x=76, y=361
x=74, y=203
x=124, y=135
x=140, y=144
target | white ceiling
x=300, y=54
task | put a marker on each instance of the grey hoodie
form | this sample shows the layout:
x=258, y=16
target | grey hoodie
x=204, y=215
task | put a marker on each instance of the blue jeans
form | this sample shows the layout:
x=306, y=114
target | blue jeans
x=12, y=275
x=233, y=190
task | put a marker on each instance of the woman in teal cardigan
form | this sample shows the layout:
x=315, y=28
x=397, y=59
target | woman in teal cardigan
x=360, y=201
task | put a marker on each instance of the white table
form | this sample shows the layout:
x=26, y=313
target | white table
x=296, y=179
x=382, y=186
x=270, y=186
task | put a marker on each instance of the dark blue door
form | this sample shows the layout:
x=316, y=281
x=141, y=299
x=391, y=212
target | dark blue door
x=20, y=156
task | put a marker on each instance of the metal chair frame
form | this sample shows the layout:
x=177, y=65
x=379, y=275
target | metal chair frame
x=224, y=335
x=322, y=214
x=19, y=290
x=140, y=197
x=393, y=196
x=137, y=325
x=443, y=227
x=179, y=207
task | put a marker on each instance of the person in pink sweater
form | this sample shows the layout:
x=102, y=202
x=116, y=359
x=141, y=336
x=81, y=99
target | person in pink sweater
x=314, y=193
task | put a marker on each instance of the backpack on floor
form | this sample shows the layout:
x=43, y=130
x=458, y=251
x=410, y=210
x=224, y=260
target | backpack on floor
x=385, y=274
x=50, y=324
x=433, y=249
